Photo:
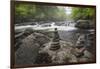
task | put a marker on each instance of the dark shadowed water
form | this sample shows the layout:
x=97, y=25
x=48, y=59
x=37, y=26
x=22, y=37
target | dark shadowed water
x=73, y=35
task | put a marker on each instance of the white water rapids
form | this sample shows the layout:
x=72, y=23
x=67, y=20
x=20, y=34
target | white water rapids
x=50, y=27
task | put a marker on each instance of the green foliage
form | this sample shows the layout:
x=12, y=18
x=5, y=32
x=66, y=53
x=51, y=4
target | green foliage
x=28, y=12
x=24, y=11
x=86, y=15
x=83, y=13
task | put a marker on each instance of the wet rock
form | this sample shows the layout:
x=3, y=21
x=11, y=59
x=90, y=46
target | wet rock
x=22, y=35
x=81, y=51
x=87, y=57
x=41, y=38
x=27, y=53
x=43, y=58
x=84, y=24
x=68, y=53
x=62, y=55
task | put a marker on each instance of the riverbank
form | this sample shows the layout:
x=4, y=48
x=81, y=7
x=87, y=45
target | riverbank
x=32, y=41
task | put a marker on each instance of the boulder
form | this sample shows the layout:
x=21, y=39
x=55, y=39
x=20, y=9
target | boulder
x=84, y=24
x=27, y=53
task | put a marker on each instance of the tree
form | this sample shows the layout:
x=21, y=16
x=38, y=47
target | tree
x=85, y=17
x=28, y=12
x=83, y=13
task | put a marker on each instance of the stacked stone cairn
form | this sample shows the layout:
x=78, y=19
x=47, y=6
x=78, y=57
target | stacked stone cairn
x=80, y=46
x=91, y=42
x=55, y=44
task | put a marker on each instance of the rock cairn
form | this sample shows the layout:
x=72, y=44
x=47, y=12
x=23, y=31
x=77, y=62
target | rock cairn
x=80, y=45
x=55, y=44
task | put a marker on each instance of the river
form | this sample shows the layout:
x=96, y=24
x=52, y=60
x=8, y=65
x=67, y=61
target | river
x=67, y=32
